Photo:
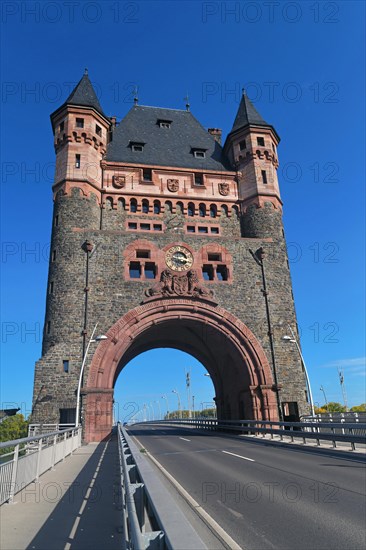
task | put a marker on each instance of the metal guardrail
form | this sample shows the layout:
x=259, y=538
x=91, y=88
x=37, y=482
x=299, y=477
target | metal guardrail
x=335, y=432
x=31, y=457
x=41, y=429
x=151, y=518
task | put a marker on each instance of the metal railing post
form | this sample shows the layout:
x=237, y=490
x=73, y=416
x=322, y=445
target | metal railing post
x=39, y=450
x=14, y=474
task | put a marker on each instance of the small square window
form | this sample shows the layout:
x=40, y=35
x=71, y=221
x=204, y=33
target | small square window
x=157, y=227
x=242, y=145
x=260, y=141
x=62, y=126
x=264, y=176
x=165, y=124
x=145, y=227
x=142, y=253
x=203, y=230
x=200, y=154
x=98, y=130
x=214, y=257
x=150, y=271
x=208, y=273
x=135, y=270
x=215, y=230
x=132, y=225
x=77, y=161
x=147, y=174
x=198, y=179
x=66, y=365
x=79, y=123
x=191, y=229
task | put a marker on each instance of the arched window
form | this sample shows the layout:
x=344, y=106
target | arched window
x=121, y=204
x=180, y=207
x=202, y=210
x=190, y=210
x=168, y=206
x=157, y=207
x=133, y=205
x=145, y=206
x=235, y=211
x=224, y=210
x=213, y=211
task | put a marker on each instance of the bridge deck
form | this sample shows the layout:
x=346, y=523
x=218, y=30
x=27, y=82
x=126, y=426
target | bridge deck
x=73, y=507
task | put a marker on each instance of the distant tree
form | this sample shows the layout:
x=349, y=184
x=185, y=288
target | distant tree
x=359, y=408
x=334, y=407
x=13, y=427
x=320, y=410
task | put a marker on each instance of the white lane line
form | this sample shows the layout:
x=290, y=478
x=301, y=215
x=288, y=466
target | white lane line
x=233, y=512
x=239, y=456
x=184, y=439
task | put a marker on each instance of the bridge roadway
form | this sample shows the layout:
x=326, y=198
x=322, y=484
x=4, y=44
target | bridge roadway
x=265, y=495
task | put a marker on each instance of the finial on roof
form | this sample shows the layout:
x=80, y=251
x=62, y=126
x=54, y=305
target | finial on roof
x=186, y=99
x=86, y=71
x=135, y=96
x=243, y=91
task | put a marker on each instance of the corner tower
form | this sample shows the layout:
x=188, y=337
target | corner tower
x=252, y=148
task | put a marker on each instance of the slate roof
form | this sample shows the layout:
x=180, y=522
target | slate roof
x=165, y=146
x=247, y=114
x=84, y=95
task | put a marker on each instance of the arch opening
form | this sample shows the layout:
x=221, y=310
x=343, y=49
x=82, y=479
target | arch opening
x=218, y=340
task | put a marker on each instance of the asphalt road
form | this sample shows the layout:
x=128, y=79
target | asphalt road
x=267, y=496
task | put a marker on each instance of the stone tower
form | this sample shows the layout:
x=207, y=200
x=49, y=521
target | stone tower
x=163, y=238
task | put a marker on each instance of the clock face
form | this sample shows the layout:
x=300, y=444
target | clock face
x=179, y=258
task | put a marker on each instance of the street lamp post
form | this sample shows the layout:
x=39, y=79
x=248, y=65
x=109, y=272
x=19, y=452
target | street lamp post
x=158, y=402
x=152, y=409
x=293, y=340
x=179, y=406
x=167, y=405
x=325, y=397
x=258, y=256
x=91, y=339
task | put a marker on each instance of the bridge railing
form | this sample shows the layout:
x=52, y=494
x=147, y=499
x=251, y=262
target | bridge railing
x=28, y=458
x=353, y=433
x=150, y=516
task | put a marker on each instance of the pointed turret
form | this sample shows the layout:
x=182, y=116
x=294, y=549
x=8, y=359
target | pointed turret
x=81, y=132
x=251, y=147
x=84, y=94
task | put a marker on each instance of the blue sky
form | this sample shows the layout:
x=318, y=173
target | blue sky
x=301, y=64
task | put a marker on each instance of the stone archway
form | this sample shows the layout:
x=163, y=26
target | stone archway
x=230, y=352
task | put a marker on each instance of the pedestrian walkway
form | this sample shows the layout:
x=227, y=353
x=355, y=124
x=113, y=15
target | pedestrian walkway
x=74, y=507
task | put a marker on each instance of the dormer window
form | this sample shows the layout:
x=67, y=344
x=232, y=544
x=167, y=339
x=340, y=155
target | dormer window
x=164, y=123
x=137, y=146
x=199, y=153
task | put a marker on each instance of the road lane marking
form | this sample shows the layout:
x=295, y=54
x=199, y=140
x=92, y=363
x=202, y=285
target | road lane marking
x=233, y=512
x=184, y=439
x=239, y=456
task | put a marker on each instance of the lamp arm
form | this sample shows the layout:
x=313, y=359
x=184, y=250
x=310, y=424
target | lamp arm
x=305, y=370
x=77, y=414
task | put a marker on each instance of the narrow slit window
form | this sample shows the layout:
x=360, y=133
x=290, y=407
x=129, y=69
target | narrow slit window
x=66, y=365
x=56, y=221
x=242, y=145
x=62, y=126
x=77, y=161
x=51, y=287
x=48, y=327
x=98, y=130
x=54, y=255
x=264, y=176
